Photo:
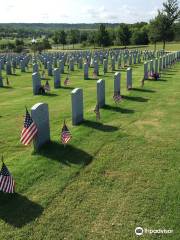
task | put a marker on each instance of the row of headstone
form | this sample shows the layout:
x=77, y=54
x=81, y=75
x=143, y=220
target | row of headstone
x=59, y=59
x=157, y=65
x=153, y=66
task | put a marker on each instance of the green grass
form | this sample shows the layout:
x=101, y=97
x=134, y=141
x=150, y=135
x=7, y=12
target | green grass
x=114, y=176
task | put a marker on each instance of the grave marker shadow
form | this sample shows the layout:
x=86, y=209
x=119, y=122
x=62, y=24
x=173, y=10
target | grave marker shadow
x=17, y=210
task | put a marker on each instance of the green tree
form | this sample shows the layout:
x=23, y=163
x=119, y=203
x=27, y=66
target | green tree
x=154, y=35
x=165, y=28
x=19, y=45
x=103, y=37
x=74, y=36
x=56, y=37
x=123, y=34
x=19, y=42
x=46, y=44
x=171, y=9
x=140, y=37
x=93, y=38
x=83, y=36
x=164, y=23
x=62, y=37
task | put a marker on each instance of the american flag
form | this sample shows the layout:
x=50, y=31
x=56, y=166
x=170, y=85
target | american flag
x=65, y=134
x=97, y=112
x=29, y=130
x=7, y=183
x=47, y=86
x=117, y=97
x=66, y=81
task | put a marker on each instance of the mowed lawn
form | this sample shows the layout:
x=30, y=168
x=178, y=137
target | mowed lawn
x=115, y=175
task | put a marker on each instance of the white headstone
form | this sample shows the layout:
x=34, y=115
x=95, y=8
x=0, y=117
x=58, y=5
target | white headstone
x=117, y=77
x=86, y=69
x=57, y=78
x=77, y=106
x=101, y=92
x=129, y=78
x=40, y=116
x=36, y=83
x=146, y=70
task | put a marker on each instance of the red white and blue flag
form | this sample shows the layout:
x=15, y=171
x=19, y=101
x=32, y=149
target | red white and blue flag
x=7, y=183
x=65, y=134
x=29, y=130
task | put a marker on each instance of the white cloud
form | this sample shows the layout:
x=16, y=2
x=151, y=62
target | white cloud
x=124, y=13
x=72, y=11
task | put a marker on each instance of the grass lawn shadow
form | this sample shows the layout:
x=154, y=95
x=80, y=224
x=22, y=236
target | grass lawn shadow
x=92, y=79
x=136, y=99
x=15, y=74
x=7, y=87
x=18, y=210
x=66, y=155
x=49, y=95
x=159, y=80
x=143, y=90
x=167, y=73
x=67, y=88
x=118, y=109
x=99, y=126
x=45, y=79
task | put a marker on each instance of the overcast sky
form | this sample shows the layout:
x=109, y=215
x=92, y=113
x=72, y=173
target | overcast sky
x=78, y=11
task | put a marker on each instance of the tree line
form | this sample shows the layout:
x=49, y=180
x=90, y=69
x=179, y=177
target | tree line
x=164, y=27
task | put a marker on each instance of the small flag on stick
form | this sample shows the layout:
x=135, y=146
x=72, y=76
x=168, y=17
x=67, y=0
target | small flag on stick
x=7, y=183
x=97, y=112
x=29, y=130
x=142, y=82
x=7, y=81
x=65, y=134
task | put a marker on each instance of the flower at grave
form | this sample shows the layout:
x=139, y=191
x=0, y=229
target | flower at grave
x=47, y=86
x=117, y=97
x=67, y=81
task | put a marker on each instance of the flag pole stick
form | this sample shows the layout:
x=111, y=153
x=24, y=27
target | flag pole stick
x=2, y=159
x=64, y=124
